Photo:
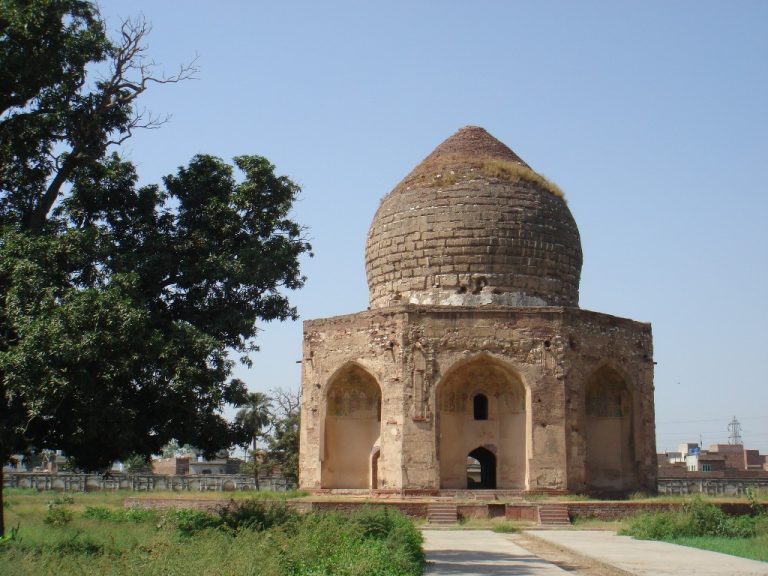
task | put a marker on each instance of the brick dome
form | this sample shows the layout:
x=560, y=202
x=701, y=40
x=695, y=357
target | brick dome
x=472, y=225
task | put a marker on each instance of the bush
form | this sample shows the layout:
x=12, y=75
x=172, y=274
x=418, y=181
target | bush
x=706, y=519
x=256, y=515
x=658, y=525
x=697, y=519
x=370, y=542
x=77, y=545
x=120, y=515
x=58, y=516
x=98, y=513
x=189, y=521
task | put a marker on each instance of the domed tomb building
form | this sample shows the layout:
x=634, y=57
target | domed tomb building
x=474, y=367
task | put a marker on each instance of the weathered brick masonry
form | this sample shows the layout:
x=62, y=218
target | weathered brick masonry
x=474, y=367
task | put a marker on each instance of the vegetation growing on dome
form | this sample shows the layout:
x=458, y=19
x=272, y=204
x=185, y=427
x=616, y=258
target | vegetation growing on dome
x=450, y=169
x=512, y=171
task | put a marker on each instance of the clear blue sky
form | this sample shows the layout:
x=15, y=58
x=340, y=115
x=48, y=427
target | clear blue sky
x=651, y=116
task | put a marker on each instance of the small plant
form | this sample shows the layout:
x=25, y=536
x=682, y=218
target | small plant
x=58, y=516
x=189, y=521
x=60, y=501
x=758, y=508
x=11, y=536
x=505, y=527
x=128, y=515
x=77, y=545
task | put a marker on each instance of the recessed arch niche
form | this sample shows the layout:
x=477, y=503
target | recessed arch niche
x=501, y=431
x=609, y=438
x=352, y=429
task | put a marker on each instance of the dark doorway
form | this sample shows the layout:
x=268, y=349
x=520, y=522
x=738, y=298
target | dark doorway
x=480, y=407
x=487, y=461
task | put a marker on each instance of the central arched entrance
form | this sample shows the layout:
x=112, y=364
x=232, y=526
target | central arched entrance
x=352, y=430
x=481, y=469
x=481, y=426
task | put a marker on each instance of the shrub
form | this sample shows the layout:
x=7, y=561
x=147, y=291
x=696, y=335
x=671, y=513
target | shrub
x=706, y=519
x=120, y=515
x=658, y=525
x=58, y=516
x=256, y=515
x=189, y=521
x=77, y=545
x=697, y=519
x=370, y=542
x=98, y=513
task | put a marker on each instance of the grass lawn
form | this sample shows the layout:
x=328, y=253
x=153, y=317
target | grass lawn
x=94, y=534
x=700, y=524
x=755, y=548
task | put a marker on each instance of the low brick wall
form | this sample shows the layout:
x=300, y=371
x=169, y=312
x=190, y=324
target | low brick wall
x=209, y=505
x=410, y=509
x=522, y=512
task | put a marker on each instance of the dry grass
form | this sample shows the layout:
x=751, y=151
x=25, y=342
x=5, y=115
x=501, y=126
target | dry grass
x=513, y=172
x=452, y=169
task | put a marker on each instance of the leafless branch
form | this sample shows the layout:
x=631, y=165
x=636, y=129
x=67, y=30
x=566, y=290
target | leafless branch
x=287, y=401
x=131, y=73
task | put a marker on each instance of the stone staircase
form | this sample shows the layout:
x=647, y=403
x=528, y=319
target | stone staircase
x=554, y=515
x=442, y=513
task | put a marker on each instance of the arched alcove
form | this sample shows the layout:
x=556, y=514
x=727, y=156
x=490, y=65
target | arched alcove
x=352, y=427
x=609, y=439
x=501, y=425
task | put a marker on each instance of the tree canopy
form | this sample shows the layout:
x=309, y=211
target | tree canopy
x=120, y=303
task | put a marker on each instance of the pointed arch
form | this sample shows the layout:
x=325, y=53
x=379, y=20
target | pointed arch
x=485, y=477
x=609, y=419
x=352, y=426
x=502, y=422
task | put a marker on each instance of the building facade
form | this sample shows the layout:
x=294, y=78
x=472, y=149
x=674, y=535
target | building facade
x=474, y=352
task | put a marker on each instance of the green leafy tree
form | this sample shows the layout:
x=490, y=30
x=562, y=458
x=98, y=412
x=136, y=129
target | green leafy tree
x=119, y=304
x=255, y=416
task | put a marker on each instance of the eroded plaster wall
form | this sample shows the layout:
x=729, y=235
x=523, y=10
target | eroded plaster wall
x=603, y=347
x=371, y=342
x=547, y=356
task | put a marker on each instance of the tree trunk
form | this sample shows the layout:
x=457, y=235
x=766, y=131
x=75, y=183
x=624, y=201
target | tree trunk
x=2, y=509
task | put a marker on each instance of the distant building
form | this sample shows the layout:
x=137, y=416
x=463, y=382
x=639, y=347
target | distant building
x=220, y=466
x=178, y=466
x=724, y=459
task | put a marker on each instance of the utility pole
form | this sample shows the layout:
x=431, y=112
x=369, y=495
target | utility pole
x=734, y=432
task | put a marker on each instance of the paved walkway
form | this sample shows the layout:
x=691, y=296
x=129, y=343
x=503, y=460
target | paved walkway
x=482, y=552
x=651, y=558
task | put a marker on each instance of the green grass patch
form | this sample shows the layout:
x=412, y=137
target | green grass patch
x=754, y=548
x=702, y=525
x=253, y=536
x=505, y=527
